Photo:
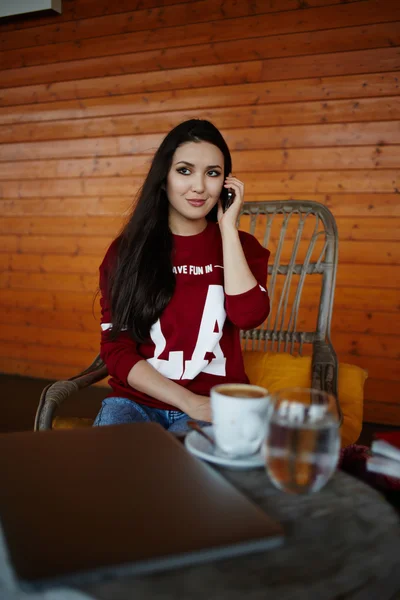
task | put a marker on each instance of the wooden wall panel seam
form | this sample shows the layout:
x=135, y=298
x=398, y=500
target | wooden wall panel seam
x=89, y=340
x=190, y=54
x=35, y=352
x=376, y=182
x=203, y=98
x=268, y=161
x=359, y=61
x=71, y=13
x=262, y=169
x=90, y=147
x=358, y=275
x=373, y=12
x=7, y=63
x=100, y=135
x=48, y=283
x=361, y=111
x=289, y=138
x=81, y=323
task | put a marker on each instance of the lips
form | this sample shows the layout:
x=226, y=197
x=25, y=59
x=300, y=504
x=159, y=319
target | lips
x=197, y=203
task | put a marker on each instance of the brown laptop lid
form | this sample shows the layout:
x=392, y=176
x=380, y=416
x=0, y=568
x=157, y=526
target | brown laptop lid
x=78, y=500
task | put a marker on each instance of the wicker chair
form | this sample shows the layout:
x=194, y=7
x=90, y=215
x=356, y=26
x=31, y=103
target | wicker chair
x=303, y=240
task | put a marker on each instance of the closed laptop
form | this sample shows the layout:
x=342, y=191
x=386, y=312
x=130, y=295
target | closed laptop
x=81, y=504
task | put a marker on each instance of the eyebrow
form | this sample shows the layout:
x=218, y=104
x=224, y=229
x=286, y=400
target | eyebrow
x=184, y=162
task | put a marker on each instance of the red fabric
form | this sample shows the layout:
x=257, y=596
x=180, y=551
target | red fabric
x=199, y=329
x=391, y=437
x=353, y=460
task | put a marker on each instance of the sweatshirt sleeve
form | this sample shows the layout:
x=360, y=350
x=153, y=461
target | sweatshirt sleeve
x=121, y=354
x=250, y=309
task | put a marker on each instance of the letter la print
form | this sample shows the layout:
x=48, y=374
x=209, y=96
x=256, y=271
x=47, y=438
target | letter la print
x=176, y=367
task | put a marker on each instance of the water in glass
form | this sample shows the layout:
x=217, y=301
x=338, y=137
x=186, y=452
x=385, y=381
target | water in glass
x=302, y=445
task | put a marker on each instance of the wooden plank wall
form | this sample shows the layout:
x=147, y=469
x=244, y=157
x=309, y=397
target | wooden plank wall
x=307, y=95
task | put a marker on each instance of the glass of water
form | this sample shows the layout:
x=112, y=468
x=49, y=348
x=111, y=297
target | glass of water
x=303, y=440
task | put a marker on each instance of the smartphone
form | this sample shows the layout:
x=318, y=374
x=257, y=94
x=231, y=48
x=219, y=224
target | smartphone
x=227, y=196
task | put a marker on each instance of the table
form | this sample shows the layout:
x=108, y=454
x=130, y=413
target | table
x=343, y=542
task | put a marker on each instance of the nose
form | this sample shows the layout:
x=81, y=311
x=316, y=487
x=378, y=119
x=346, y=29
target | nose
x=198, y=184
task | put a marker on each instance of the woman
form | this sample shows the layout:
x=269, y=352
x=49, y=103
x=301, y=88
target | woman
x=177, y=287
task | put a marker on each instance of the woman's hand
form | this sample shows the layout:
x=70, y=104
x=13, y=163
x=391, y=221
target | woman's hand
x=228, y=219
x=198, y=408
x=238, y=278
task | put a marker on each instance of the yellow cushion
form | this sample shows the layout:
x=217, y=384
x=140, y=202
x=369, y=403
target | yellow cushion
x=71, y=422
x=277, y=371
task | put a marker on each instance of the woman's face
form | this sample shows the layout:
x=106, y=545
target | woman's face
x=195, y=181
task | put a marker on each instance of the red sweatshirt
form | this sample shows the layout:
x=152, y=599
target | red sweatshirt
x=196, y=342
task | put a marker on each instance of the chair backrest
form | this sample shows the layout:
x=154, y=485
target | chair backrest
x=303, y=240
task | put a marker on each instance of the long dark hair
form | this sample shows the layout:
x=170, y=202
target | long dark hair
x=142, y=282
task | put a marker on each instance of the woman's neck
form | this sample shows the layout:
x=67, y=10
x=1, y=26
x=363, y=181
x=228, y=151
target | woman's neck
x=186, y=227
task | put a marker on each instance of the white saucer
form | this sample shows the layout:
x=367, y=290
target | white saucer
x=199, y=446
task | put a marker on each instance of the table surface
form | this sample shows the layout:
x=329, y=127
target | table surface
x=342, y=542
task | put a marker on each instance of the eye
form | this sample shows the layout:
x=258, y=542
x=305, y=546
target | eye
x=182, y=169
x=214, y=173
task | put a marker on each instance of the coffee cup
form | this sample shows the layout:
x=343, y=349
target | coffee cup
x=239, y=415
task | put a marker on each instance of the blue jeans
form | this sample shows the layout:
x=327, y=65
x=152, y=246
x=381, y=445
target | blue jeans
x=116, y=411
